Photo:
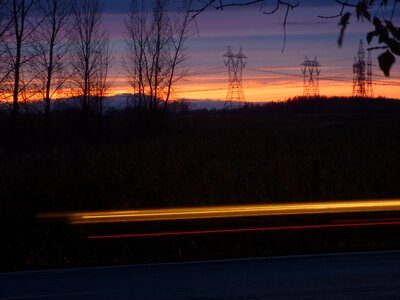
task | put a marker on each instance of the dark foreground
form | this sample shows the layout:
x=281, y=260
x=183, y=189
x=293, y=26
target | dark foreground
x=374, y=275
x=304, y=151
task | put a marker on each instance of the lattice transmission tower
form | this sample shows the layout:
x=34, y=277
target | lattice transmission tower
x=370, y=87
x=359, y=73
x=235, y=64
x=311, y=70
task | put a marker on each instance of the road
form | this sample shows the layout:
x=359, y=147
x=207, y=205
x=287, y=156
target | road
x=374, y=275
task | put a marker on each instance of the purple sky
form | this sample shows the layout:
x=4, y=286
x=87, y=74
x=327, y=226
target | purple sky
x=269, y=71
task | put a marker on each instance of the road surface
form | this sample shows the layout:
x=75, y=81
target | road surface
x=374, y=275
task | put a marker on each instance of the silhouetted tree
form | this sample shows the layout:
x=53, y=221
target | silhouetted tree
x=5, y=24
x=180, y=33
x=17, y=42
x=156, y=42
x=52, y=45
x=90, y=49
x=102, y=83
x=5, y=21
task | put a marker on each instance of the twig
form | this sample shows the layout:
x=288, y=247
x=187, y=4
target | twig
x=279, y=3
x=334, y=16
x=289, y=6
x=344, y=4
x=378, y=48
x=199, y=11
x=393, y=10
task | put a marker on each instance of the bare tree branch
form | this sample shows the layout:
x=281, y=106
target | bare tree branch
x=52, y=46
x=16, y=41
x=288, y=8
x=89, y=46
x=155, y=50
x=278, y=4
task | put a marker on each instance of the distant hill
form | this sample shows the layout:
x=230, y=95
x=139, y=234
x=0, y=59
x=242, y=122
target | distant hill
x=121, y=101
x=297, y=104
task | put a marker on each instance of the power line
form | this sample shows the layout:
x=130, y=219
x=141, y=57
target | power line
x=329, y=78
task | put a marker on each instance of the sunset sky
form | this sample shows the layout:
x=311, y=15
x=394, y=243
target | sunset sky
x=270, y=75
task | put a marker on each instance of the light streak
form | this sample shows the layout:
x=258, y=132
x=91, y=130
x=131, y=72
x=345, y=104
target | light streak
x=369, y=220
x=239, y=230
x=214, y=212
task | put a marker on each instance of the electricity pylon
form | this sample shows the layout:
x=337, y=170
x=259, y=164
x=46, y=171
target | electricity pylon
x=311, y=70
x=235, y=64
x=359, y=70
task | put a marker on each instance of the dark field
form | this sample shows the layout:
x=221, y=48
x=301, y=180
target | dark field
x=295, y=152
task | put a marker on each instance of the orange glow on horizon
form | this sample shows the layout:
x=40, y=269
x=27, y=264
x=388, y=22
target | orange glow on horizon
x=254, y=90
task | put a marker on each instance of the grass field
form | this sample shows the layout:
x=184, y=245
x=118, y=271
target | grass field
x=292, y=152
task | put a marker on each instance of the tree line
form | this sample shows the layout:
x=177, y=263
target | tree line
x=52, y=49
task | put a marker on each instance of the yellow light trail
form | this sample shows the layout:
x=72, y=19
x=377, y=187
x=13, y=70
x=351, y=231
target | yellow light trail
x=213, y=212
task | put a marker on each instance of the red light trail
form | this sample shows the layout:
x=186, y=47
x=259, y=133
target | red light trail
x=349, y=223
